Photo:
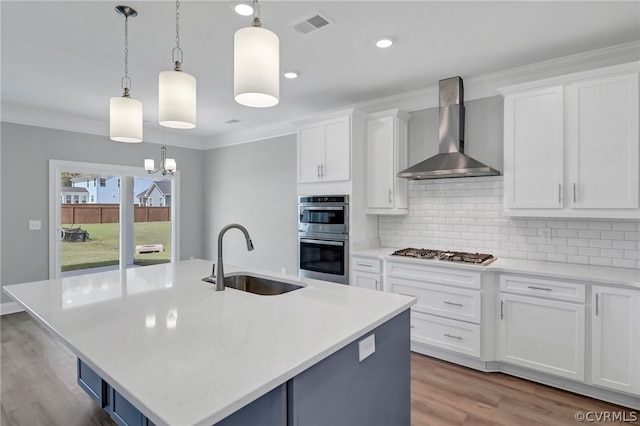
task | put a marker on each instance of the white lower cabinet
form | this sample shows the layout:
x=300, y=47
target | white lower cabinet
x=367, y=280
x=448, y=311
x=367, y=272
x=542, y=325
x=542, y=334
x=457, y=336
x=615, y=338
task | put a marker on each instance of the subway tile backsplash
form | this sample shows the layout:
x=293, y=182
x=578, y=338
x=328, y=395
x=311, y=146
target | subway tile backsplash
x=466, y=215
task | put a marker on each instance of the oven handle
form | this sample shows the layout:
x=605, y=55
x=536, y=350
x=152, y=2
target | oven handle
x=322, y=208
x=323, y=242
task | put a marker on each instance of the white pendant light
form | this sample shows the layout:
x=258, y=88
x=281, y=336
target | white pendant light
x=177, y=91
x=125, y=113
x=256, y=65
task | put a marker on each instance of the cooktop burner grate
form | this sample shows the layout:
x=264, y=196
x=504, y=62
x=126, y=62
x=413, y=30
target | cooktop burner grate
x=451, y=256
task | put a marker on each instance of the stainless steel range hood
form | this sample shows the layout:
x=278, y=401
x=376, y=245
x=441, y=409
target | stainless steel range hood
x=451, y=161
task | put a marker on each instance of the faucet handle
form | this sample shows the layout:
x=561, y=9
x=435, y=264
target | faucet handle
x=213, y=271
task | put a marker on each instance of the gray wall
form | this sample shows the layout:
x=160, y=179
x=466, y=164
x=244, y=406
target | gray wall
x=26, y=151
x=483, y=132
x=253, y=184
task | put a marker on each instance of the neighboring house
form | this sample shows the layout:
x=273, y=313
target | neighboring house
x=71, y=195
x=106, y=189
x=158, y=194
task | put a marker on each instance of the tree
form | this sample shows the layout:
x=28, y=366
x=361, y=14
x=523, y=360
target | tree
x=65, y=178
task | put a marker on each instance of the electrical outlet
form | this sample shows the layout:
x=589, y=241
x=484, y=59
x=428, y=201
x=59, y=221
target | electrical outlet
x=283, y=270
x=35, y=225
x=366, y=347
x=545, y=234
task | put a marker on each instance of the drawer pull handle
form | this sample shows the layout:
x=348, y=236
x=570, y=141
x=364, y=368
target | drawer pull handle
x=596, y=304
x=452, y=336
x=407, y=294
x=532, y=287
x=368, y=265
x=412, y=326
x=446, y=302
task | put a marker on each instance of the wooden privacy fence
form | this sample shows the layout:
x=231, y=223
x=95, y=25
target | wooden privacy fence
x=110, y=213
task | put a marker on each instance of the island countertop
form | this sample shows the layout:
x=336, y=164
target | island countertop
x=185, y=354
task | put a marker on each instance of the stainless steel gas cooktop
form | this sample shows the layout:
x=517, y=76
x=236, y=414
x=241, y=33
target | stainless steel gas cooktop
x=450, y=256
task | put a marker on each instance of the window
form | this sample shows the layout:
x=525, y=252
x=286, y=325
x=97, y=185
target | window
x=118, y=182
x=92, y=198
x=160, y=202
x=95, y=182
x=150, y=202
x=67, y=198
x=76, y=199
x=103, y=182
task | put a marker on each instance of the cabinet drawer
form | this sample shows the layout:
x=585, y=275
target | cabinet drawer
x=367, y=264
x=549, y=289
x=447, y=334
x=92, y=383
x=450, y=302
x=446, y=275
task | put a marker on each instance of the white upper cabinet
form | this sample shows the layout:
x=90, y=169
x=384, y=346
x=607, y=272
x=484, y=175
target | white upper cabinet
x=324, y=151
x=602, y=142
x=533, y=133
x=571, y=145
x=386, y=149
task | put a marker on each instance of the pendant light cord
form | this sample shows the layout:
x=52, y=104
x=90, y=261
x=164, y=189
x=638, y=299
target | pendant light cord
x=125, y=83
x=256, y=14
x=176, y=53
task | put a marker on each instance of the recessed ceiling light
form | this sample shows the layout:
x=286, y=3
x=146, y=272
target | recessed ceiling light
x=384, y=42
x=291, y=74
x=243, y=9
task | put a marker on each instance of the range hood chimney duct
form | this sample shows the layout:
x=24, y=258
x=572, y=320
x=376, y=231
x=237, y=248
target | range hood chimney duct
x=451, y=161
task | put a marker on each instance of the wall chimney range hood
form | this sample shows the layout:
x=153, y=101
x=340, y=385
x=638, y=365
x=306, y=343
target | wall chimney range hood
x=451, y=161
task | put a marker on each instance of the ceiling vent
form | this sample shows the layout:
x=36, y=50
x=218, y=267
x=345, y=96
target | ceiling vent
x=312, y=23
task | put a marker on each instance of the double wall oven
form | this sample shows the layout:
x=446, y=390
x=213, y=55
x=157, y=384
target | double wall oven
x=323, y=237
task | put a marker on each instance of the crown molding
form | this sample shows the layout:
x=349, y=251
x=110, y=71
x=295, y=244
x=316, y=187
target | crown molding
x=51, y=120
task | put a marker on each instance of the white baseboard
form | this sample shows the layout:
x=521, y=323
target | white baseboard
x=10, y=308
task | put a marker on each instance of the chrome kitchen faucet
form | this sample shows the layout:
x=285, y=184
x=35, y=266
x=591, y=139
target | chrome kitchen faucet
x=220, y=270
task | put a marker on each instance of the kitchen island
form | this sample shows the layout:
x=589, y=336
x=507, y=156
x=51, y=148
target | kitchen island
x=173, y=349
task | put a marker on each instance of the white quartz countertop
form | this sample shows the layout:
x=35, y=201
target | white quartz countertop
x=185, y=354
x=623, y=277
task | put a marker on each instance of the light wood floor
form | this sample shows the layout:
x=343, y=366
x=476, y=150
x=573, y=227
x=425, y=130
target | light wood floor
x=38, y=380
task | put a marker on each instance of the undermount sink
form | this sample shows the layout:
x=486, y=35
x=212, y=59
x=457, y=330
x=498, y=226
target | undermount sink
x=256, y=285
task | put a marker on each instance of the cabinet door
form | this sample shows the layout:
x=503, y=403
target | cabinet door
x=367, y=280
x=337, y=150
x=380, y=162
x=602, y=142
x=615, y=341
x=533, y=149
x=544, y=335
x=310, y=142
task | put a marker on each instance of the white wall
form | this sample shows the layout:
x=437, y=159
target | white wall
x=254, y=185
x=26, y=151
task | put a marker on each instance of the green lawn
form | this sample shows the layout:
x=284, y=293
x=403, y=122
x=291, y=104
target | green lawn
x=102, y=249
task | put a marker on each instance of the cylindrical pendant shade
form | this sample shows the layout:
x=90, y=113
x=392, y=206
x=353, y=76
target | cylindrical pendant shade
x=256, y=67
x=125, y=119
x=177, y=100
